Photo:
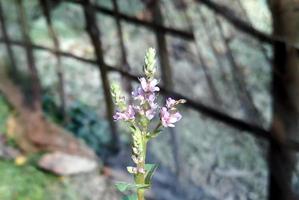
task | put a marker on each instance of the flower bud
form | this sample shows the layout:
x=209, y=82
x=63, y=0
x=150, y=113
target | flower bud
x=141, y=170
x=150, y=61
x=132, y=170
x=117, y=97
x=135, y=150
x=115, y=89
x=144, y=121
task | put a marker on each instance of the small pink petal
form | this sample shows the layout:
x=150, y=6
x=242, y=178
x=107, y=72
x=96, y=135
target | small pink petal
x=143, y=83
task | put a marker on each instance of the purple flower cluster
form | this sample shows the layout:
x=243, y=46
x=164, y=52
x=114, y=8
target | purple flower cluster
x=128, y=114
x=146, y=95
x=168, y=114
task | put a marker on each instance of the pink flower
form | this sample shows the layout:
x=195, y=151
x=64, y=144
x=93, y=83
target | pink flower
x=150, y=113
x=146, y=94
x=141, y=170
x=129, y=114
x=149, y=86
x=151, y=98
x=142, y=96
x=170, y=102
x=138, y=94
x=169, y=118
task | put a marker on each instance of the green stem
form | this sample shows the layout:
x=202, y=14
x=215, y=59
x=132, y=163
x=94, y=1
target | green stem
x=157, y=127
x=140, y=194
x=140, y=178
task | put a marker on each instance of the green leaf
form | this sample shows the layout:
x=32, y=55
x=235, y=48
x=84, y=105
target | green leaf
x=154, y=133
x=131, y=197
x=150, y=169
x=142, y=186
x=144, y=121
x=122, y=186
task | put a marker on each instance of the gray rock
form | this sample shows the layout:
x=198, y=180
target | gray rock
x=7, y=152
x=65, y=164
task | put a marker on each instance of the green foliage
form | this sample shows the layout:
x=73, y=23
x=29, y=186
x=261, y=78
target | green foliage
x=150, y=61
x=23, y=182
x=27, y=182
x=50, y=107
x=117, y=96
x=130, y=197
x=150, y=169
x=154, y=134
x=122, y=186
x=4, y=113
x=83, y=122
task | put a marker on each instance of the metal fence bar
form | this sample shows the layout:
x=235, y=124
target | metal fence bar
x=34, y=79
x=94, y=34
x=259, y=45
x=219, y=9
x=251, y=112
x=205, y=67
x=166, y=72
x=45, y=5
x=243, y=26
x=134, y=20
x=124, y=62
x=10, y=53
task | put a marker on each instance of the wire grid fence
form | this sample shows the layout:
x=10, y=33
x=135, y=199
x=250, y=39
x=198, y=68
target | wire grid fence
x=193, y=104
x=90, y=10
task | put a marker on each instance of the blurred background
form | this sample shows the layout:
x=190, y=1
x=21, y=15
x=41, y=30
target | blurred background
x=237, y=136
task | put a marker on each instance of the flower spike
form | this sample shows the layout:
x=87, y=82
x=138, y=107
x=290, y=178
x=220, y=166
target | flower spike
x=139, y=116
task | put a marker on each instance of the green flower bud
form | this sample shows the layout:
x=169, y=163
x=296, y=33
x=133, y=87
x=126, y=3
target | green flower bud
x=115, y=89
x=150, y=61
x=118, y=97
x=144, y=121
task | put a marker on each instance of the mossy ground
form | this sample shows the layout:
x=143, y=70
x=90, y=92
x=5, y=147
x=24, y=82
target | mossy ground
x=24, y=182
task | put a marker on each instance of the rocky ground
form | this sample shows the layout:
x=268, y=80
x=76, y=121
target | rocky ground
x=47, y=176
x=22, y=179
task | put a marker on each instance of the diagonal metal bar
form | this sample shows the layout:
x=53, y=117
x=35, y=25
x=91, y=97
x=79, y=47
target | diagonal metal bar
x=93, y=31
x=9, y=49
x=134, y=20
x=124, y=62
x=35, y=84
x=219, y=9
x=243, y=26
x=45, y=6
